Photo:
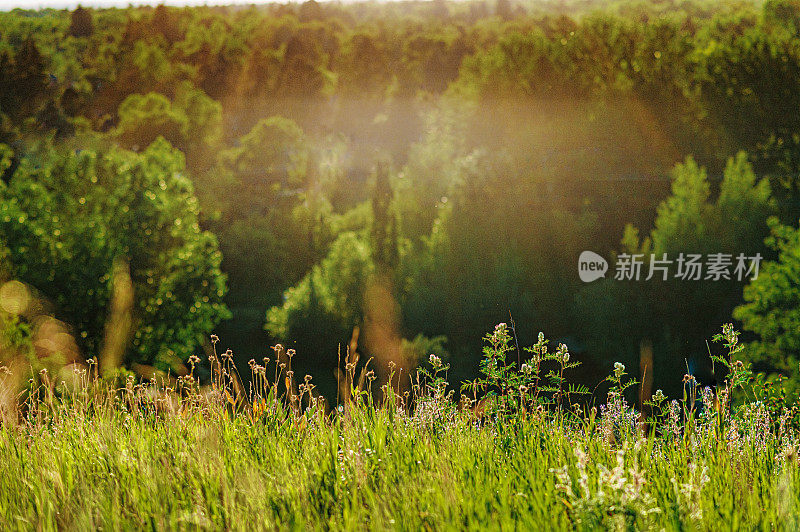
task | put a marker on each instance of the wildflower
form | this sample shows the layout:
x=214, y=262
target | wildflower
x=707, y=396
x=563, y=354
x=673, y=427
x=435, y=361
x=619, y=369
x=658, y=396
x=214, y=338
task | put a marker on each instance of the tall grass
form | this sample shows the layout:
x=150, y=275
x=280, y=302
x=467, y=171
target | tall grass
x=514, y=452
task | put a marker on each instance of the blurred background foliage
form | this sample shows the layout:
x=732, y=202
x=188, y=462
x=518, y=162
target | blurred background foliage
x=391, y=179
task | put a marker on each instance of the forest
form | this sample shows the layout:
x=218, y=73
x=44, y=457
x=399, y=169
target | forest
x=394, y=179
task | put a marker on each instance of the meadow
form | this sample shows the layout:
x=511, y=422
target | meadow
x=354, y=193
x=518, y=450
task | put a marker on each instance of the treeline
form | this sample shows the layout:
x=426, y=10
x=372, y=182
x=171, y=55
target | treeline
x=394, y=179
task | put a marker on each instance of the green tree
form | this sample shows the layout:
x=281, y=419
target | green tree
x=192, y=122
x=321, y=313
x=501, y=244
x=23, y=81
x=333, y=288
x=771, y=306
x=255, y=196
x=747, y=78
x=81, y=23
x=676, y=315
x=144, y=118
x=271, y=157
x=65, y=218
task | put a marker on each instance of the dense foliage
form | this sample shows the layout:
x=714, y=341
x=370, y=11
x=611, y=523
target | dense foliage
x=66, y=217
x=378, y=173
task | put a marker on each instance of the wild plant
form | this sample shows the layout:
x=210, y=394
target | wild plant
x=406, y=461
x=618, y=421
x=780, y=403
x=509, y=390
x=434, y=407
x=561, y=391
x=659, y=410
x=739, y=373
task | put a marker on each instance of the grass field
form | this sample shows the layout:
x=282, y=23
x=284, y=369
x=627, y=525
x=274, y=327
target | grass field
x=82, y=454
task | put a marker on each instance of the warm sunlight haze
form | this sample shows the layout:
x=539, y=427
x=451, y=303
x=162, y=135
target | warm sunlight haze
x=400, y=265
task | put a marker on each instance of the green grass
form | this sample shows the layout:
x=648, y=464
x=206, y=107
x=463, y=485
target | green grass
x=86, y=455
